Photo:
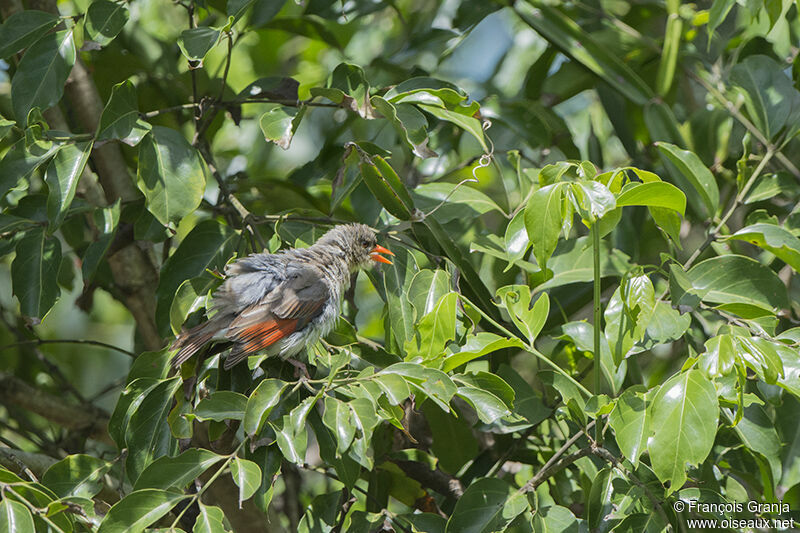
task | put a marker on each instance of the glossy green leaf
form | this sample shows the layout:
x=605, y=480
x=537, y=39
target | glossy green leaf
x=279, y=124
x=695, y=171
x=34, y=273
x=15, y=517
x=195, y=43
x=410, y=125
x=738, y=279
x=120, y=119
x=719, y=10
x=573, y=262
x=395, y=388
x=528, y=318
x=209, y=520
x=293, y=445
x=628, y=313
x=774, y=239
x=488, y=406
x=62, y=177
x=684, y=423
x=426, y=289
x=20, y=162
x=771, y=100
x=208, y=246
x=453, y=201
x=348, y=86
x=592, y=200
x=24, y=28
x=382, y=190
x=339, y=419
x=247, y=476
x=654, y=194
x=76, y=475
x=397, y=279
x=104, y=20
x=516, y=239
x=260, y=404
x=543, y=219
x=467, y=123
x=222, y=405
x=177, y=472
x=436, y=329
x=478, y=345
x=432, y=382
x=719, y=357
x=138, y=510
x=170, y=174
x=488, y=505
x=630, y=421
x=147, y=433
x=40, y=76
x=554, y=519
x=757, y=432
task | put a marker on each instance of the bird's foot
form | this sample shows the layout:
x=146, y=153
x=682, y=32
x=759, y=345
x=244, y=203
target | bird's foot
x=300, y=370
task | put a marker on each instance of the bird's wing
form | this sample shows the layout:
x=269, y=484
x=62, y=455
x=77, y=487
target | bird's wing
x=284, y=310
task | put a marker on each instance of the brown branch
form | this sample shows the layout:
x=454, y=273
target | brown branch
x=38, y=342
x=92, y=421
x=30, y=464
x=437, y=480
x=553, y=469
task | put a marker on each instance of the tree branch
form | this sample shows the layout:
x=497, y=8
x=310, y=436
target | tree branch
x=437, y=480
x=25, y=462
x=91, y=420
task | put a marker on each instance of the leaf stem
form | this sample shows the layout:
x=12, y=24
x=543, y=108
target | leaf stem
x=529, y=347
x=598, y=367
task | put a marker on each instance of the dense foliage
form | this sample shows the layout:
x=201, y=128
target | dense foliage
x=589, y=322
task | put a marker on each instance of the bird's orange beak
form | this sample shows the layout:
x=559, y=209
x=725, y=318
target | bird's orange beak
x=376, y=256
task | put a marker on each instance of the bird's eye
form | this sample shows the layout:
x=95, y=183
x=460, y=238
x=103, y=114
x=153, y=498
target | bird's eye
x=365, y=243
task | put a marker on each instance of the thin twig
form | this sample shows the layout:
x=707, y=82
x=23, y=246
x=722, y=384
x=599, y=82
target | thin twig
x=99, y=344
x=546, y=471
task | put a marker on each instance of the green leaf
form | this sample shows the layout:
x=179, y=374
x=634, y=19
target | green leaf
x=76, y=475
x=488, y=406
x=738, y=279
x=774, y=239
x=436, y=329
x=631, y=424
x=488, y=505
x=208, y=246
x=24, y=28
x=382, y=190
x=40, y=76
x=348, y=86
x=757, y=432
x=15, y=517
x=716, y=15
x=719, y=357
x=654, y=194
x=106, y=221
x=543, y=220
x=62, y=180
x=120, y=119
x=684, y=423
x=209, y=520
x=147, y=433
x=195, y=43
x=573, y=262
x=410, y=125
x=280, y=123
x=592, y=200
x=572, y=40
x=556, y=518
x=177, y=472
x=476, y=346
x=435, y=383
x=293, y=446
x=260, y=404
x=695, y=171
x=460, y=202
x=133, y=394
x=19, y=163
x=138, y=510
x=669, y=53
x=397, y=279
x=339, y=419
x=628, y=313
x=395, y=388
x=222, y=405
x=170, y=175
x=771, y=100
x=529, y=319
x=470, y=124
x=34, y=273
x=104, y=20
x=247, y=476
x=427, y=288
x=516, y=239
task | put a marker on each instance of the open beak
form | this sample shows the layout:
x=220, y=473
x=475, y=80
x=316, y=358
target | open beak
x=376, y=256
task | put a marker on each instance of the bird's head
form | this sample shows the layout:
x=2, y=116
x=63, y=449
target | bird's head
x=359, y=244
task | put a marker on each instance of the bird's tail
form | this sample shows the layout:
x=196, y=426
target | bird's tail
x=191, y=340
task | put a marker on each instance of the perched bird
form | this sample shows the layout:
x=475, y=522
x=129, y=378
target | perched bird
x=280, y=303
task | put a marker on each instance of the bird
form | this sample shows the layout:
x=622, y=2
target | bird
x=279, y=303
